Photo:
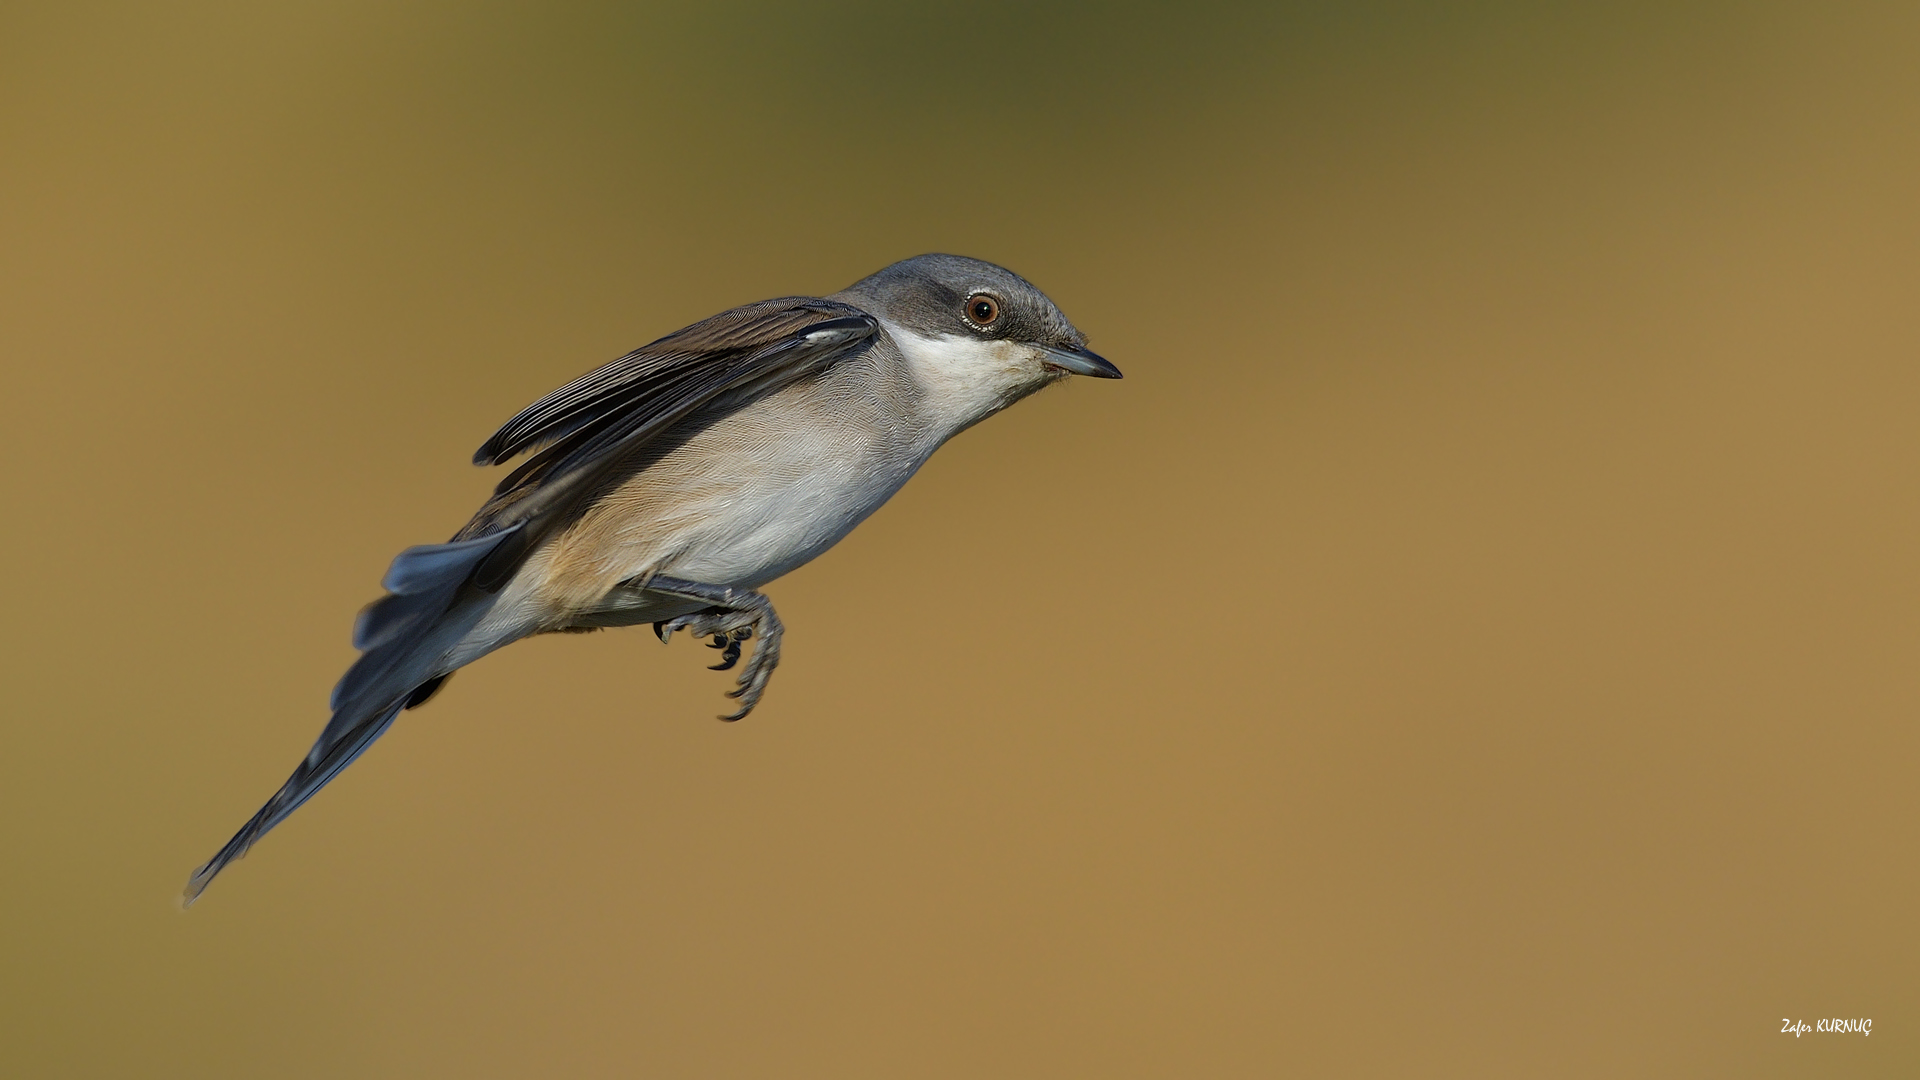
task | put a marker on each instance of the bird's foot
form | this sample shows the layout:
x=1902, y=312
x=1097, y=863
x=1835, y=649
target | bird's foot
x=730, y=629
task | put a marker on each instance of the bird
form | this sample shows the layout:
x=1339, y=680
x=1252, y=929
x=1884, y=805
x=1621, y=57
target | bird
x=668, y=486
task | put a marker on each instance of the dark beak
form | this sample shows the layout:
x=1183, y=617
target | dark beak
x=1082, y=362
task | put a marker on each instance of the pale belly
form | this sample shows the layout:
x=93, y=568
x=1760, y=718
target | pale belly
x=739, y=504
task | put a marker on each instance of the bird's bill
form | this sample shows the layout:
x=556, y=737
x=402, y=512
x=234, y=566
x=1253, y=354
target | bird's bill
x=1082, y=362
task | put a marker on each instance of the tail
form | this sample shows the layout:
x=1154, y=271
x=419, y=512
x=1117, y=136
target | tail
x=404, y=638
x=309, y=778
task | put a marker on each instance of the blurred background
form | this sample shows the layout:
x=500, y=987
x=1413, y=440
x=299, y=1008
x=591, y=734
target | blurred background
x=1478, y=638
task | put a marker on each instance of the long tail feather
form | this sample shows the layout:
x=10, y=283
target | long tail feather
x=309, y=778
x=402, y=638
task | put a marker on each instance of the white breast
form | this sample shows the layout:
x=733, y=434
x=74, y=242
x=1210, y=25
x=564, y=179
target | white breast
x=797, y=492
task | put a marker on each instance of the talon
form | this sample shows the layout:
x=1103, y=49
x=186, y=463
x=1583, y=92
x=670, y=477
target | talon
x=719, y=642
x=728, y=658
x=745, y=708
x=663, y=631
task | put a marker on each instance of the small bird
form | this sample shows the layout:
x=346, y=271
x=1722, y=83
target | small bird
x=668, y=486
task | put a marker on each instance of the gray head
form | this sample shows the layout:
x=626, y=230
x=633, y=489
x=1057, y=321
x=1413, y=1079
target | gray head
x=951, y=302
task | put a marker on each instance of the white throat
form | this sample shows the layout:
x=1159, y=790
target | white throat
x=965, y=379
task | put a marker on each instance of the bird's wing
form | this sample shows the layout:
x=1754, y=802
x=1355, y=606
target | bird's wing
x=684, y=369
x=586, y=428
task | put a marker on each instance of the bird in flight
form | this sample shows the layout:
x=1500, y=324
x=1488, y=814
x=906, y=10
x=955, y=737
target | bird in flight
x=668, y=486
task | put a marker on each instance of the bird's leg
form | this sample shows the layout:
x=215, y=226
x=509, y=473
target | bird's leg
x=732, y=616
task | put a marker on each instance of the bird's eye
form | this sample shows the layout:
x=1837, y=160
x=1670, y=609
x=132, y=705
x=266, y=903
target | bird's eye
x=982, y=309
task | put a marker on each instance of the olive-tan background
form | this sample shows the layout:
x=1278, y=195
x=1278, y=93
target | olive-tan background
x=1478, y=637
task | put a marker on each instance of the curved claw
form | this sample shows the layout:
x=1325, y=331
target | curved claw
x=728, y=658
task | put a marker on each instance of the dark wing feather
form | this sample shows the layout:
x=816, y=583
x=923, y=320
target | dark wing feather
x=585, y=428
x=752, y=329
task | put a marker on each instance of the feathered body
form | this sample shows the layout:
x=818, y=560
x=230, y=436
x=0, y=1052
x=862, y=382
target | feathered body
x=726, y=455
